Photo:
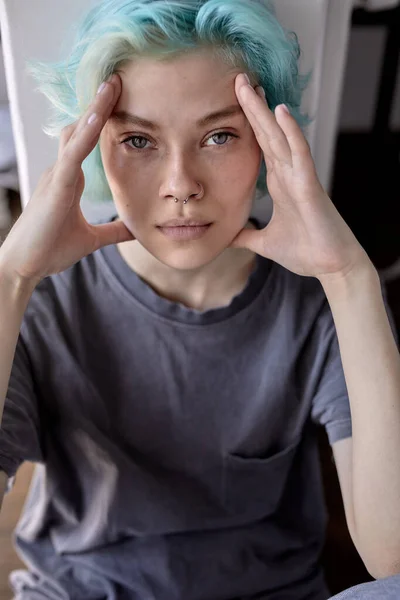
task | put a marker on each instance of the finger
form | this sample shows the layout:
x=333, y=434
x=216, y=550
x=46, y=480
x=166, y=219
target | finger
x=65, y=136
x=299, y=147
x=111, y=233
x=269, y=135
x=86, y=134
x=251, y=240
x=115, y=85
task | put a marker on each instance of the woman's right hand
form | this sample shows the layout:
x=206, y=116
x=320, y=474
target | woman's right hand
x=52, y=233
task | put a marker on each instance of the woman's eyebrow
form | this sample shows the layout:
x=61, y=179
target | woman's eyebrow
x=126, y=118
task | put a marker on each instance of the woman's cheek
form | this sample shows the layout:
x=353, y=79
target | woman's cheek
x=118, y=160
x=245, y=175
x=121, y=161
x=118, y=169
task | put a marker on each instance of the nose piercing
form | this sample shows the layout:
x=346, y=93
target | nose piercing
x=187, y=199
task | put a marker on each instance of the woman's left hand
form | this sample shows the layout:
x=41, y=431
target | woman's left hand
x=306, y=234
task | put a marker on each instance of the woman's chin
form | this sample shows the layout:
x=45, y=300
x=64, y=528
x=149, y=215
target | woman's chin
x=176, y=252
x=188, y=259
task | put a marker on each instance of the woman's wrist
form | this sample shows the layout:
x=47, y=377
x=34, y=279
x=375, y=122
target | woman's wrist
x=345, y=285
x=12, y=284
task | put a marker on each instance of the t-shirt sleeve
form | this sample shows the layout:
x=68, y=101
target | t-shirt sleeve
x=20, y=427
x=331, y=405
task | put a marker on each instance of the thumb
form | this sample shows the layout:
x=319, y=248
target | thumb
x=247, y=238
x=112, y=233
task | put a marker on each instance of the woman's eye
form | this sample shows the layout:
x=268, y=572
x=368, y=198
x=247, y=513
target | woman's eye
x=139, y=142
x=223, y=134
x=134, y=139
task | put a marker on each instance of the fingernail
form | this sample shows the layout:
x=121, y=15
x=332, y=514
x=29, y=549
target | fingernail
x=101, y=88
x=247, y=78
x=92, y=118
x=285, y=108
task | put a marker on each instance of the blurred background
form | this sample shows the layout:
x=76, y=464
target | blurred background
x=364, y=185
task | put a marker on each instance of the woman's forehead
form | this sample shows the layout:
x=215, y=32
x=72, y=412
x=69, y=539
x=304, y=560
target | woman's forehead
x=182, y=90
x=195, y=69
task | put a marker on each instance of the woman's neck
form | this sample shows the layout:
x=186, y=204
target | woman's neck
x=212, y=286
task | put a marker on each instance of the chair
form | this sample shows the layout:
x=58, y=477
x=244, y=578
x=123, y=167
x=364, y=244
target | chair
x=321, y=25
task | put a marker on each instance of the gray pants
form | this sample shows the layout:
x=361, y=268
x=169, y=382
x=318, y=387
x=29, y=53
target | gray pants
x=382, y=589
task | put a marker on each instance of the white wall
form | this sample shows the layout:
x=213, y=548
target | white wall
x=3, y=88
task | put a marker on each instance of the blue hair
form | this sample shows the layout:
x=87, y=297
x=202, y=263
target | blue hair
x=245, y=33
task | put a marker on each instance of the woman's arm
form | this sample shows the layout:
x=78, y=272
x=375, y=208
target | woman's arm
x=52, y=234
x=14, y=298
x=308, y=236
x=371, y=365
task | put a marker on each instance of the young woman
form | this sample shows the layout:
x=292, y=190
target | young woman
x=167, y=369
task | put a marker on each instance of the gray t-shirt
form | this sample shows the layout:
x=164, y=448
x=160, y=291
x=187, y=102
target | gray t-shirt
x=177, y=448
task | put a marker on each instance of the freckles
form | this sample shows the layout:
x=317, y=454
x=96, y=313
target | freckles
x=117, y=168
x=117, y=157
x=120, y=161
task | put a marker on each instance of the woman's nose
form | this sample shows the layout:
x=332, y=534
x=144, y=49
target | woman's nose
x=180, y=181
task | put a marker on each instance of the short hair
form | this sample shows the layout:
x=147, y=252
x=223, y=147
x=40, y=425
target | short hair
x=245, y=33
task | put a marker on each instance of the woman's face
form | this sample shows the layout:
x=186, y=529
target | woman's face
x=176, y=155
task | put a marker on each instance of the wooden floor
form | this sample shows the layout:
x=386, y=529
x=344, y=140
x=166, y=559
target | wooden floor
x=9, y=514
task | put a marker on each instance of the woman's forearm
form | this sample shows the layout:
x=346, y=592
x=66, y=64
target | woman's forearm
x=14, y=298
x=371, y=364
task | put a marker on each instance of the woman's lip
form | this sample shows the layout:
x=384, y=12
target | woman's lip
x=184, y=223
x=186, y=232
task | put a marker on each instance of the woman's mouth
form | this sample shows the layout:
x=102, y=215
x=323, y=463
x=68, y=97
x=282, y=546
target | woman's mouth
x=185, y=228
x=184, y=232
